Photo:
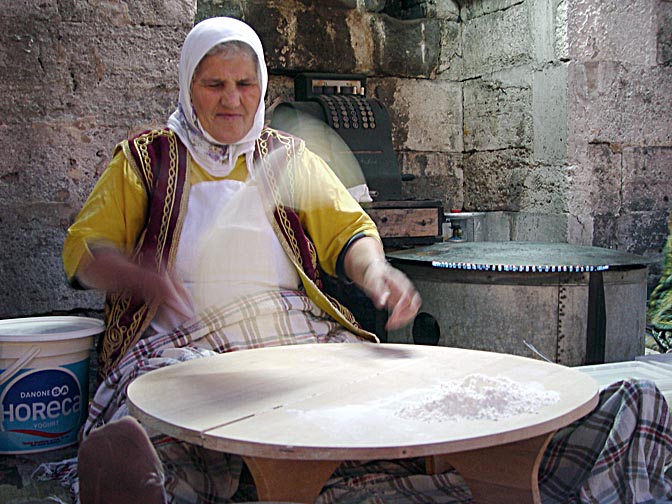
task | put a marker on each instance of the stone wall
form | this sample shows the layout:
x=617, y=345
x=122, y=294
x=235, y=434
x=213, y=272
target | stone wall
x=551, y=116
x=620, y=124
x=515, y=108
x=77, y=76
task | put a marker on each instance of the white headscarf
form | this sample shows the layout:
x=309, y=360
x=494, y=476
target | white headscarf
x=216, y=158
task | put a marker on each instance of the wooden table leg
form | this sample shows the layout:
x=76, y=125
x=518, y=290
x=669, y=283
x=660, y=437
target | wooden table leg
x=504, y=474
x=282, y=480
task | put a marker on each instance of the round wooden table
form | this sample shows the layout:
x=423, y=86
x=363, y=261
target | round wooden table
x=294, y=413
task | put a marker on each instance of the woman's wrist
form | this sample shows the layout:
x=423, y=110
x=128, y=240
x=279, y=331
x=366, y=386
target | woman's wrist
x=371, y=273
x=372, y=263
x=364, y=256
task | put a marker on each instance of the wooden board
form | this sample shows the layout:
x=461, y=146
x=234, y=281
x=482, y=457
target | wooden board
x=341, y=401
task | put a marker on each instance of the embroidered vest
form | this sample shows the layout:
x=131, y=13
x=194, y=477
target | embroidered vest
x=160, y=158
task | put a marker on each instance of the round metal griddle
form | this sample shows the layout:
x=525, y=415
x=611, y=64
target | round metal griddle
x=520, y=257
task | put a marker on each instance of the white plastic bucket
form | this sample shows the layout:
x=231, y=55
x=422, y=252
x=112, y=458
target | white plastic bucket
x=44, y=381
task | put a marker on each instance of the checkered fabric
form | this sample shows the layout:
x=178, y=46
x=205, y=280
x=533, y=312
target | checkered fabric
x=619, y=453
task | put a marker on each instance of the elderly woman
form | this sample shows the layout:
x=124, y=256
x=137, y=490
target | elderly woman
x=217, y=207
x=213, y=235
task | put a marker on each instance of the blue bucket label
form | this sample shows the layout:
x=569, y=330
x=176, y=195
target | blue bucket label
x=43, y=409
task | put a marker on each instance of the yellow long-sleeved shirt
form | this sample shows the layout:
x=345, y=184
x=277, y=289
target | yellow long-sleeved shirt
x=116, y=210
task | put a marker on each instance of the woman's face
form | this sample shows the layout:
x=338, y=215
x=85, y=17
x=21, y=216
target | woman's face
x=226, y=94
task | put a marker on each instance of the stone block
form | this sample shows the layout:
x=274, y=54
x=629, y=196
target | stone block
x=444, y=9
x=545, y=189
x=305, y=37
x=476, y=8
x=33, y=64
x=561, y=31
x=366, y=5
x=406, y=48
x=213, y=8
x=426, y=115
x=450, y=59
x=497, y=226
x=595, y=179
x=605, y=230
x=321, y=42
x=548, y=26
x=580, y=228
x=104, y=79
x=361, y=41
x=549, y=113
x=56, y=161
x=30, y=262
x=647, y=184
x=493, y=180
x=664, y=34
x=179, y=13
x=436, y=175
x=114, y=13
x=539, y=227
x=497, y=112
x=154, y=13
x=640, y=232
x=496, y=41
x=409, y=9
x=616, y=103
x=86, y=69
x=613, y=30
x=80, y=76
x=38, y=10
x=33, y=232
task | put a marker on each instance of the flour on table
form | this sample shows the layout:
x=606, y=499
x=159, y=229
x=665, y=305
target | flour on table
x=479, y=397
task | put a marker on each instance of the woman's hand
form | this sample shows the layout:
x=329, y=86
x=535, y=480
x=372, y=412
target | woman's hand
x=111, y=271
x=387, y=287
